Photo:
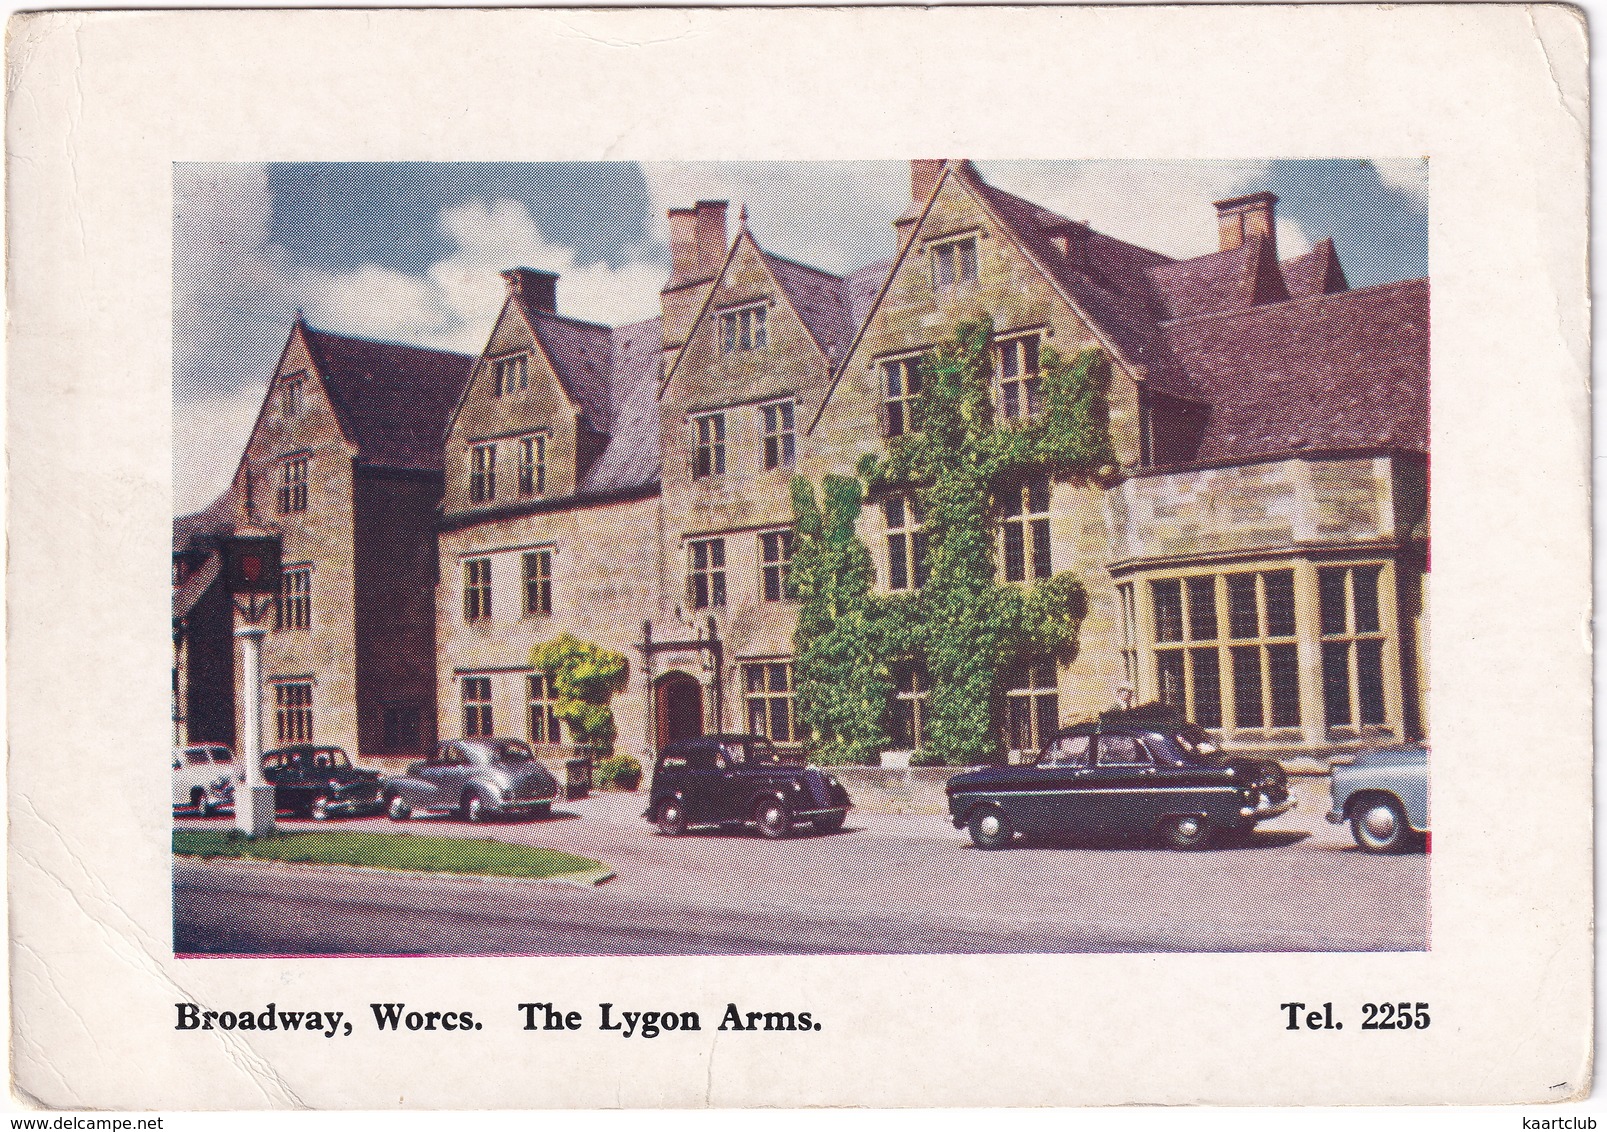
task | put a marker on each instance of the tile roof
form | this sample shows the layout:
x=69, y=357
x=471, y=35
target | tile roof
x=1315, y=273
x=188, y=592
x=393, y=400
x=1340, y=371
x=821, y=301
x=581, y=355
x=215, y=518
x=1229, y=280
x=631, y=458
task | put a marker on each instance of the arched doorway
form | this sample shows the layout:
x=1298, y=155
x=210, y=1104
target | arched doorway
x=677, y=708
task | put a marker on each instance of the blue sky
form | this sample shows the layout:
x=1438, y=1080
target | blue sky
x=410, y=252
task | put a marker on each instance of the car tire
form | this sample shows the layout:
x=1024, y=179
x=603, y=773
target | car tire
x=773, y=819
x=201, y=802
x=319, y=810
x=671, y=818
x=398, y=809
x=830, y=823
x=474, y=808
x=990, y=829
x=1187, y=831
x=1379, y=825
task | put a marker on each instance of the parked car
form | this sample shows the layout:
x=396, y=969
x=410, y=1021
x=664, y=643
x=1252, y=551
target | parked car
x=738, y=780
x=203, y=778
x=478, y=778
x=1384, y=797
x=1125, y=776
x=320, y=782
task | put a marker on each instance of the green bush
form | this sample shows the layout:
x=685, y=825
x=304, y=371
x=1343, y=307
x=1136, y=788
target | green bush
x=617, y=772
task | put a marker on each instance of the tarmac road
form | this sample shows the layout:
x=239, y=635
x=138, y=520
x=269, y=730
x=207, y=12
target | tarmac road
x=885, y=883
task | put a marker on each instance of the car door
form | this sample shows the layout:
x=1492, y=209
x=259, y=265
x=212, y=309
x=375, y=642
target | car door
x=1123, y=791
x=1051, y=797
x=433, y=775
x=705, y=784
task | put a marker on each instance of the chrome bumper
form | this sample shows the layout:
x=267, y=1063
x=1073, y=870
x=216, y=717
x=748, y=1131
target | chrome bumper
x=1265, y=808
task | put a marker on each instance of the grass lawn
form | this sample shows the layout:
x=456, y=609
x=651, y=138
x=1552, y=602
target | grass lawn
x=386, y=851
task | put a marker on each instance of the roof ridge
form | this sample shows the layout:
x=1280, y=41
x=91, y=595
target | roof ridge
x=310, y=329
x=537, y=312
x=798, y=263
x=1325, y=297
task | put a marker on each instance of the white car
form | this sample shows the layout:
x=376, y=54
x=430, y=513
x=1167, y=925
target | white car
x=203, y=778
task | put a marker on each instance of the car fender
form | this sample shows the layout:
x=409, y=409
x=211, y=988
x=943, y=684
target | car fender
x=419, y=795
x=1362, y=794
x=767, y=794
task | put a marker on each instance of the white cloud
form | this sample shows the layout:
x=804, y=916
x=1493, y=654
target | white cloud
x=1407, y=176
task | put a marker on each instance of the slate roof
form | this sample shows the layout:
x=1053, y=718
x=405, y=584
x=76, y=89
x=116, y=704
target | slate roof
x=631, y=459
x=1341, y=371
x=832, y=307
x=1315, y=273
x=581, y=354
x=393, y=400
x=215, y=518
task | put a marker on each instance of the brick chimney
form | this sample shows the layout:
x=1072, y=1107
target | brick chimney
x=924, y=175
x=1239, y=218
x=538, y=289
x=697, y=249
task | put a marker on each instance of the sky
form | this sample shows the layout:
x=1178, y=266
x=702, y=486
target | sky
x=410, y=252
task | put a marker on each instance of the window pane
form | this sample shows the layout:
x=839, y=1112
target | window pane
x=898, y=577
x=968, y=260
x=1370, y=681
x=1015, y=554
x=1047, y=717
x=1242, y=620
x=1168, y=610
x=1020, y=724
x=1280, y=586
x=1038, y=494
x=1040, y=548
x=895, y=378
x=1169, y=671
x=1336, y=682
x=895, y=418
x=756, y=717
x=1365, y=581
x=780, y=725
x=1331, y=599
x=1202, y=609
x=778, y=677
x=1207, y=688
x=717, y=588
x=1247, y=687
x=893, y=511
x=1285, y=681
x=1012, y=401
x=1007, y=358
x=918, y=553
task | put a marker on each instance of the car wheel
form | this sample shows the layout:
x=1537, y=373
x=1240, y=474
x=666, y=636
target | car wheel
x=474, y=808
x=1187, y=831
x=671, y=818
x=398, y=810
x=830, y=823
x=202, y=803
x=990, y=829
x=774, y=820
x=1379, y=825
x=319, y=808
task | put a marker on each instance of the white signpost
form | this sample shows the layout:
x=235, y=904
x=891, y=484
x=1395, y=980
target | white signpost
x=253, y=798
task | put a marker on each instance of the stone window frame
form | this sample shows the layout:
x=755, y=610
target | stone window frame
x=775, y=557
x=510, y=373
x=951, y=265
x=294, y=608
x=293, y=471
x=292, y=395
x=1018, y=375
x=1031, y=706
x=482, y=472
x=706, y=573
x=479, y=716
x=745, y=327
x=778, y=427
x=912, y=687
x=900, y=384
x=908, y=557
x=293, y=711
x=1353, y=649
x=532, y=468
x=541, y=719
x=477, y=589
x=768, y=706
x=708, y=445
x=1026, y=552
x=535, y=574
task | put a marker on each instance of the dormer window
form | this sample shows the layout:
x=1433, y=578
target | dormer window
x=290, y=396
x=743, y=329
x=954, y=261
x=1016, y=361
x=511, y=374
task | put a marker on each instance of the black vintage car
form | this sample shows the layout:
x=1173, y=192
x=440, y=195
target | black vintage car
x=478, y=778
x=320, y=782
x=735, y=780
x=1129, y=775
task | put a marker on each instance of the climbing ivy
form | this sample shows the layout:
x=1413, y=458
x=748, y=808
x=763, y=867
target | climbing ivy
x=967, y=627
x=583, y=678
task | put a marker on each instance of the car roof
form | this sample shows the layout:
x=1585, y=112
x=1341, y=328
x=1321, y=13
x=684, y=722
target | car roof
x=303, y=749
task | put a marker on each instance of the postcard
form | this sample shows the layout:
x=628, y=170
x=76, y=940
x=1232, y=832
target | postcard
x=613, y=568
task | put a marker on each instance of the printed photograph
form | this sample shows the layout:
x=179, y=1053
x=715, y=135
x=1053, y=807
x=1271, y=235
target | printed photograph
x=928, y=556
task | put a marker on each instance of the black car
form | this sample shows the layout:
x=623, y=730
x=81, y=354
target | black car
x=320, y=782
x=734, y=780
x=1126, y=776
x=478, y=778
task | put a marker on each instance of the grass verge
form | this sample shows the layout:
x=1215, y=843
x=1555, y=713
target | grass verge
x=386, y=851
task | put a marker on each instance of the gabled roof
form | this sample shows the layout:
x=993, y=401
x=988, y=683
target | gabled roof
x=631, y=458
x=1341, y=371
x=1315, y=273
x=190, y=591
x=1229, y=280
x=393, y=401
x=216, y=518
x=827, y=304
x=580, y=356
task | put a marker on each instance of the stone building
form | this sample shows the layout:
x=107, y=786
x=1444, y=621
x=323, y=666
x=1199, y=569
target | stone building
x=344, y=464
x=1257, y=555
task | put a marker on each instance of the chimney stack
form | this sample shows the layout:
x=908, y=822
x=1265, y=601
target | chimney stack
x=1240, y=218
x=924, y=175
x=538, y=289
x=697, y=251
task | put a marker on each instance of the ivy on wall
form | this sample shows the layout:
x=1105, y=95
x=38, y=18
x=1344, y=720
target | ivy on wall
x=583, y=677
x=966, y=626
